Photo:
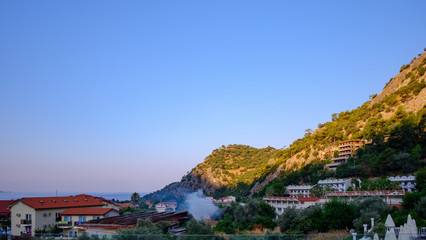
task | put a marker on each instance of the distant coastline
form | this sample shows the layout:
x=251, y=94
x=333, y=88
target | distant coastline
x=121, y=196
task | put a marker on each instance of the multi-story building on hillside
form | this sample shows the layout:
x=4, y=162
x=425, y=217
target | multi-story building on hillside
x=407, y=183
x=281, y=203
x=30, y=214
x=346, y=150
x=392, y=198
x=299, y=190
x=336, y=184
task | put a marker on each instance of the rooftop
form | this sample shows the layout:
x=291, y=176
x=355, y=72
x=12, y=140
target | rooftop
x=301, y=199
x=130, y=220
x=86, y=211
x=367, y=193
x=81, y=200
x=4, y=204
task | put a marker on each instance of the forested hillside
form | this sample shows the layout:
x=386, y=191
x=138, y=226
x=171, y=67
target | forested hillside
x=397, y=113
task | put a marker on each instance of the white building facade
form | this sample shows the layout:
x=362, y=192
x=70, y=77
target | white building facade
x=336, y=184
x=407, y=183
x=281, y=203
x=392, y=198
x=299, y=190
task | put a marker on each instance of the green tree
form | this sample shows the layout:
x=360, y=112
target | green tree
x=421, y=179
x=315, y=214
x=198, y=227
x=135, y=198
x=336, y=154
x=410, y=199
x=420, y=207
x=416, y=152
x=225, y=225
x=143, y=226
x=286, y=218
x=338, y=214
x=368, y=208
x=301, y=224
x=128, y=210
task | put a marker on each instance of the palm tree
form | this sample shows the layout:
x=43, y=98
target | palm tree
x=135, y=198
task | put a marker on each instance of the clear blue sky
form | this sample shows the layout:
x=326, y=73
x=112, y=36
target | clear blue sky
x=130, y=95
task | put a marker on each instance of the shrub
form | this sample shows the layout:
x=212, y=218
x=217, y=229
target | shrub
x=198, y=227
x=403, y=67
x=420, y=207
x=286, y=218
x=338, y=214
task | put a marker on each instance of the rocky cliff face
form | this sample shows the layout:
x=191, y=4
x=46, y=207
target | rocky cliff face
x=238, y=165
x=411, y=72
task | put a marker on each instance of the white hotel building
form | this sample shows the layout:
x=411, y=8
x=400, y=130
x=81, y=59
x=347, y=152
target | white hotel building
x=299, y=190
x=408, y=183
x=281, y=203
x=336, y=184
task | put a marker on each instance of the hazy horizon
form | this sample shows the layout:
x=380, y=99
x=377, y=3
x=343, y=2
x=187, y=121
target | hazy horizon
x=107, y=96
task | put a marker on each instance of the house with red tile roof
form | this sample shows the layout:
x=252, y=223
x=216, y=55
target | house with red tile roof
x=73, y=217
x=223, y=201
x=166, y=206
x=125, y=205
x=30, y=214
x=4, y=208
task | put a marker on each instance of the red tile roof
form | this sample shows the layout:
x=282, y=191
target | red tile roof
x=385, y=192
x=302, y=199
x=4, y=204
x=308, y=199
x=63, y=202
x=124, y=205
x=86, y=211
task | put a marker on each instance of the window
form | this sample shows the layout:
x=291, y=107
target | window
x=82, y=218
x=67, y=218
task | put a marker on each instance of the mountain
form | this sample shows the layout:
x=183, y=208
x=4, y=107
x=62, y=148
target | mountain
x=244, y=170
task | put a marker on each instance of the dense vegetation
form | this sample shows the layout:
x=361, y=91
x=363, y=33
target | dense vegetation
x=235, y=164
x=254, y=214
x=399, y=148
x=343, y=215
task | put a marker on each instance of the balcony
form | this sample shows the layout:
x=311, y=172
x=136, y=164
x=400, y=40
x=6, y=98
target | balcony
x=26, y=222
x=58, y=219
x=65, y=224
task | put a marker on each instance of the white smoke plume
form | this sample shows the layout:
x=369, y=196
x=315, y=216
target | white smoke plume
x=201, y=207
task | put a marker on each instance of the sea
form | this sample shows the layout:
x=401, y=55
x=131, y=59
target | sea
x=121, y=196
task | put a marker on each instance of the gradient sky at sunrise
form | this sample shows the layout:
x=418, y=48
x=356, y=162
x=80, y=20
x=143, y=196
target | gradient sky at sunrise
x=122, y=96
